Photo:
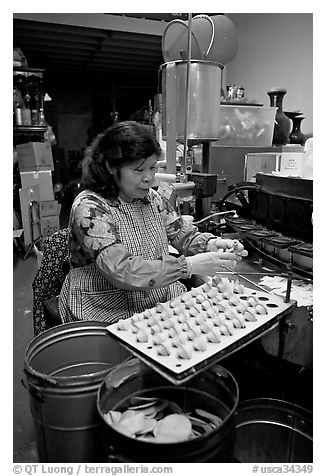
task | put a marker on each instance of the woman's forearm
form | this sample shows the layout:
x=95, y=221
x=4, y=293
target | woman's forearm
x=130, y=272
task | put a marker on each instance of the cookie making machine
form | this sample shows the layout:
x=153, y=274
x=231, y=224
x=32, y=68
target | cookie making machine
x=273, y=216
x=191, y=91
x=275, y=213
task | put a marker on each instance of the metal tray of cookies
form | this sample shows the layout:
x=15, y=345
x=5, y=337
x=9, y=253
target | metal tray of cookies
x=199, y=328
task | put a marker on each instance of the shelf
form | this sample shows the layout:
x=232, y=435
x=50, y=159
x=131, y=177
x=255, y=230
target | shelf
x=25, y=71
x=29, y=84
x=29, y=129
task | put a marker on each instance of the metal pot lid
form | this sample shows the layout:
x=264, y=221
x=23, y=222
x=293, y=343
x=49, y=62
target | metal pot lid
x=262, y=233
x=238, y=221
x=304, y=249
x=246, y=227
x=281, y=241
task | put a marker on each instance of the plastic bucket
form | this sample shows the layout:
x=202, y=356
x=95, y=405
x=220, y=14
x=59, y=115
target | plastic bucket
x=64, y=367
x=204, y=98
x=273, y=431
x=214, y=390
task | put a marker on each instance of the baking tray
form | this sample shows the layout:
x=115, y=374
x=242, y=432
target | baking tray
x=179, y=370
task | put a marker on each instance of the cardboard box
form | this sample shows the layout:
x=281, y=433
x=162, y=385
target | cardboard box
x=35, y=156
x=28, y=195
x=292, y=164
x=292, y=148
x=43, y=179
x=264, y=162
x=49, y=208
x=49, y=225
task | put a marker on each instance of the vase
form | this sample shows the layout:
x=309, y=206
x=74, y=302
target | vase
x=282, y=124
x=296, y=136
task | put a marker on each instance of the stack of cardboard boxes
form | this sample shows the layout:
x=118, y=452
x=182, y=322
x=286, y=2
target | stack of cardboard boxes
x=40, y=211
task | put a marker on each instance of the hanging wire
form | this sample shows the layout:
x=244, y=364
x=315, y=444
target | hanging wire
x=213, y=32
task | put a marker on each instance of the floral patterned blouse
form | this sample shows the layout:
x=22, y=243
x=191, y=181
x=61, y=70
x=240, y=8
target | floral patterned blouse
x=119, y=252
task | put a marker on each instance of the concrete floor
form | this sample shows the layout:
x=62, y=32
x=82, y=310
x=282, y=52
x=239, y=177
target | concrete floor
x=24, y=448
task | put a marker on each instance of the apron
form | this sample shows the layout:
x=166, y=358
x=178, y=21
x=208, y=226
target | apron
x=87, y=295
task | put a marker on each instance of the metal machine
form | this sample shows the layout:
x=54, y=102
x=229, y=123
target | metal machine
x=191, y=86
x=272, y=215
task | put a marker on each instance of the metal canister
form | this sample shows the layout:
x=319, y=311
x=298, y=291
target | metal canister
x=204, y=98
x=26, y=117
x=18, y=116
x=34, y=115
x=62, y=383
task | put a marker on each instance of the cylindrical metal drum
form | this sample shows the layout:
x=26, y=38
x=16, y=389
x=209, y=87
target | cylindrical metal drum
x=213, y=390
x=64, y=367
x=273, y=431
x=204, y=98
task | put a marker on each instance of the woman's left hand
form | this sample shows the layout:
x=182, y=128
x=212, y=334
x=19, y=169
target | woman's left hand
x=221, y=244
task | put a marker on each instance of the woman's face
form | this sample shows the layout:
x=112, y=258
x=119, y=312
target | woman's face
x=136, y=178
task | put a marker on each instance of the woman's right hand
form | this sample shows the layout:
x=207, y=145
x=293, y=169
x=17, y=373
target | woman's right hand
x=208, y=264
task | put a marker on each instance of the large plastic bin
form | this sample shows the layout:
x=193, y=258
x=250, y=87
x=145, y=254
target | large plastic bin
x=242, y=125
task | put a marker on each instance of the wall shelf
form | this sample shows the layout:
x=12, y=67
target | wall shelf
x=29, y=129
x=25, y=71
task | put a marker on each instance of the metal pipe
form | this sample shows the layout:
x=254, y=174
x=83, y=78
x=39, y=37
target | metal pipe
x=215, y=215
x=185, y=145
x=246, y=279
x=290, y=276
x=282, y=275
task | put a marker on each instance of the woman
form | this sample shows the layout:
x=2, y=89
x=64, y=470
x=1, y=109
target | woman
x=120, y=231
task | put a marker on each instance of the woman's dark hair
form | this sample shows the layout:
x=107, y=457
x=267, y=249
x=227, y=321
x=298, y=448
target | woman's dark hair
x=119, y=145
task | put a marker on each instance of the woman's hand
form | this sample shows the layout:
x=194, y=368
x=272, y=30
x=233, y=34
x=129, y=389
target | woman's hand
x=221, y=244
x=208, y=264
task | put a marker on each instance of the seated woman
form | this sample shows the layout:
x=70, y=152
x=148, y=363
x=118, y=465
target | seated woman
x=120, y=231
